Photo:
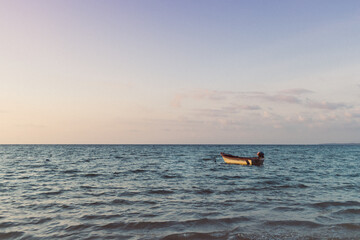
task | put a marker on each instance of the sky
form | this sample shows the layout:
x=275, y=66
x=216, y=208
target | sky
x=179, y=72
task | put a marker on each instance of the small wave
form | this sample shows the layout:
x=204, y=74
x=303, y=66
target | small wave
x=52, y=193
x=216, y=221
x=274, y=184
x=165, y=224
x=70, y=171
x=149, y=202
x=87, y=187
x=39, y=220
x=300, y=186
x=128, y=194
x=271, y=182
x=96, y=217
x=167, y=176
x=144, y=154
x=97, y=203
x=335, y=204
x=229, y=177
x=24, y=177
x=160, y=192
x=204, y=191
x=195, y=235
x=288, y=209
x=349, y=211
x=49, y=206
x=288, y=186
x=78, y=227
x=349, y=226
x=95, y=194
x=65, y=206
x=36, y=166
x=180, y=155
x=8, y=224
x=293, y=223
x=232, y=191
x=346, y=187
x=138, y=171
x=10, y=235
x=109, y=226
x=354, y=175
x=91, y=175
x=137, y=225
x=121, y=202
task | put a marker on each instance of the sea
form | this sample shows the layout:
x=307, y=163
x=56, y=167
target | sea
x=179, y=192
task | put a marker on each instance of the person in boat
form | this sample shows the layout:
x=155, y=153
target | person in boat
x=260, y=155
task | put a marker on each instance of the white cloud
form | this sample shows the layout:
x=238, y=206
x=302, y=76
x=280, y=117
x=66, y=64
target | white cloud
x=278, y=113
x=281, y=98
x=296, y=91
x=325, y=105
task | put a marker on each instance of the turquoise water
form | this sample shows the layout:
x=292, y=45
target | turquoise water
x=179, y=192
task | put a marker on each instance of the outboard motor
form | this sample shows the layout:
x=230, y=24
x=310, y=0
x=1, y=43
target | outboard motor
x=260, y=155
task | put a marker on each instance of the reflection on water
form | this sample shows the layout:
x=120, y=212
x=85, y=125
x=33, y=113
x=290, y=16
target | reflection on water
x=178, y=192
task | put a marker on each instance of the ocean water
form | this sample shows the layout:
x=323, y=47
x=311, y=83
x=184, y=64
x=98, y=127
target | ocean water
x=179, y=192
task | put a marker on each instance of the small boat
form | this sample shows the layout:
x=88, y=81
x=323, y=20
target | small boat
x=257, y=161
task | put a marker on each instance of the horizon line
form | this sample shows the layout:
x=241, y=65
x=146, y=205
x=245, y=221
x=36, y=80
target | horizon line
x=224, y=144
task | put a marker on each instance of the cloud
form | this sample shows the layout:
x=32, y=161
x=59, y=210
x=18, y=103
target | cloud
x=212, y=112
x=284, y=96
x=354, y=114
x=208, y=94
x=296, y=91
x=281, y=98
x=200, y=94
x=325, y=105
x=252, y=100
x=177, y=100
x=250, y=107
x=239, y=107
x=226, y=111
x=287, y=95
x=301, y=118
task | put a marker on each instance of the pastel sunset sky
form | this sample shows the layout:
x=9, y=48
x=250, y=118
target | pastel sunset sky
x=179, y=71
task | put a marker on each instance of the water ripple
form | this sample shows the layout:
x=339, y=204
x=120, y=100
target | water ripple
x=178, y=192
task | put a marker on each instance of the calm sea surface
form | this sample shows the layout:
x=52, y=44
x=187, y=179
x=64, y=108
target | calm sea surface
x=178, y=192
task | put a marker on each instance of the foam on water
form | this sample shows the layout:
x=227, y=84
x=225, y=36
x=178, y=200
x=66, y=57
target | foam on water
x=178, y=192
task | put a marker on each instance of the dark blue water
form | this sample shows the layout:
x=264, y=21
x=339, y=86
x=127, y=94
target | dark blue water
x=178, y=192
